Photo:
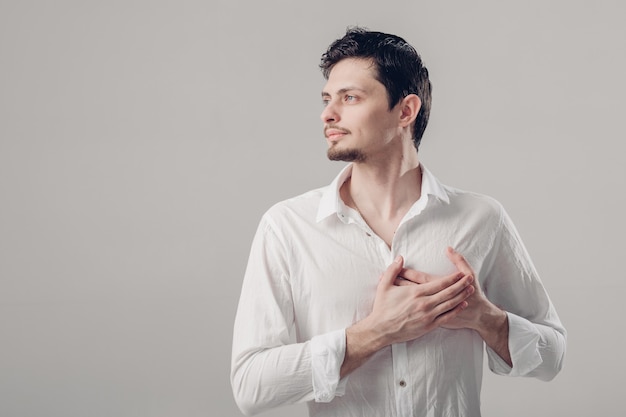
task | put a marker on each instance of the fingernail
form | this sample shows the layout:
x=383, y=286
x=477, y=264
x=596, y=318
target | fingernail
x=398, y=259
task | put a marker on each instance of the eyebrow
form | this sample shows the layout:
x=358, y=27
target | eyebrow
x=344, y=90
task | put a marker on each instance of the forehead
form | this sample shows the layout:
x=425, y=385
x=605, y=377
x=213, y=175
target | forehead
x=352, y=72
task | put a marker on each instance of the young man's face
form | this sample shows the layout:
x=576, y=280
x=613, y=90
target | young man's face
x=357, y=121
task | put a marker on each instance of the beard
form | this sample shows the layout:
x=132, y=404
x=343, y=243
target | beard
x=346, y=155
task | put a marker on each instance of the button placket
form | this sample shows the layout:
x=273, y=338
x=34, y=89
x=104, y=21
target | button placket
x=404, y=397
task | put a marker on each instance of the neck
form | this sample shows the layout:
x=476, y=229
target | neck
x=386, y=188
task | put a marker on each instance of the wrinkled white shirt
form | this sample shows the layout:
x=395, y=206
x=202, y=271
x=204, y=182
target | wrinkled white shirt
x=313, y=271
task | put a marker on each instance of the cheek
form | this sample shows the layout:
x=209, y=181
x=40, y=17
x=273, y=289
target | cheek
x=382, y=127
x=370, y=125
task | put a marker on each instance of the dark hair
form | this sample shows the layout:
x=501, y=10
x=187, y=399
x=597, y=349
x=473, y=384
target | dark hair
x=398, y=67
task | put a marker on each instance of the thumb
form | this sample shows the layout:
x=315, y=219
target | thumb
x=391, y=273
x=459, y=261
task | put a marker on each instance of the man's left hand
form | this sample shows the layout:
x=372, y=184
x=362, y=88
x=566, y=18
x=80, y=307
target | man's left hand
x=478, y=304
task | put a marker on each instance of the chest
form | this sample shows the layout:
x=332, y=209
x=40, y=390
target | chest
x=334, y=270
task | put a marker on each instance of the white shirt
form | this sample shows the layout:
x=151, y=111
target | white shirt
x=313, y=271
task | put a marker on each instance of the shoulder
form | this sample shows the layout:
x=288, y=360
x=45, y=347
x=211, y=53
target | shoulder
x=456, y=202
x=300, y=208
x=475, y=205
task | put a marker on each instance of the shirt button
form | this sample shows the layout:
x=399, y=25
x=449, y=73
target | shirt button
x=403, y=383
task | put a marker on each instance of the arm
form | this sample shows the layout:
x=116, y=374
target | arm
x=537, y=339
x=525, y=337
x=268, y=367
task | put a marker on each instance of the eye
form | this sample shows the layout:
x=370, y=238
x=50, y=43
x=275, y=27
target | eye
x=348, y=98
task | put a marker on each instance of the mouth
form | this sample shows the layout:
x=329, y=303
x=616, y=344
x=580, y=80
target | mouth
x=333, y=137
x=334, y=134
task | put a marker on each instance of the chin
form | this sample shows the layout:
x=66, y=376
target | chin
x=346, y=155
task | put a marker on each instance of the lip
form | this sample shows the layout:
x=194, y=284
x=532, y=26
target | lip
x=334, y=134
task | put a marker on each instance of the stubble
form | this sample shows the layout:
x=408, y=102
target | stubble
x=346, y=155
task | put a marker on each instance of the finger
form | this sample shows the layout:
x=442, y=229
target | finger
x=416, y=277
x=452, y=302
x=400, y=282
x=449, y=315
x=392, y=271
x=459, y=261
x=438, y=285
x=454, y=290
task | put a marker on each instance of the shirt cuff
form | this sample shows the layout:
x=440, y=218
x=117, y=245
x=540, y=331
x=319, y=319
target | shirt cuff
x=523, y=346
x=327, y=355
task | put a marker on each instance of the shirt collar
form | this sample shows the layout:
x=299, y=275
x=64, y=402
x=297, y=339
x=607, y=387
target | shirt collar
x=432, y=186
x=331, y=202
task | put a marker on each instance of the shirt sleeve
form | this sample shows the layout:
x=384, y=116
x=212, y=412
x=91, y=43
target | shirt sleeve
x=537, y=339
x=269, y=367
x=327, y=354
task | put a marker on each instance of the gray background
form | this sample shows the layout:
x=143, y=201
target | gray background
x=141, y=141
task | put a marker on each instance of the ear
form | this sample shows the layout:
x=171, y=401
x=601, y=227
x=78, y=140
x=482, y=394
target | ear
x=409, y=107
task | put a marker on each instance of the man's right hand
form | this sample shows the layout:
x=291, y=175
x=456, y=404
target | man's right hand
x=405, y=312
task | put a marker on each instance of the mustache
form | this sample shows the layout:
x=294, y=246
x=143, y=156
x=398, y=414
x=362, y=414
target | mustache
x=335, y=127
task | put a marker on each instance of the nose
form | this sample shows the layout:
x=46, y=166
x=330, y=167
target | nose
x=330, y=114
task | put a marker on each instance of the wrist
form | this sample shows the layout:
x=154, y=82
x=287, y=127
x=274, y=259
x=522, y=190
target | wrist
x=366, y=336
x=494, y=330
x=493, y=324
x=362, y=341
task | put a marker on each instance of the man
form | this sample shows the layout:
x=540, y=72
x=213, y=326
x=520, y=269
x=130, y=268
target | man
x=354, y=299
